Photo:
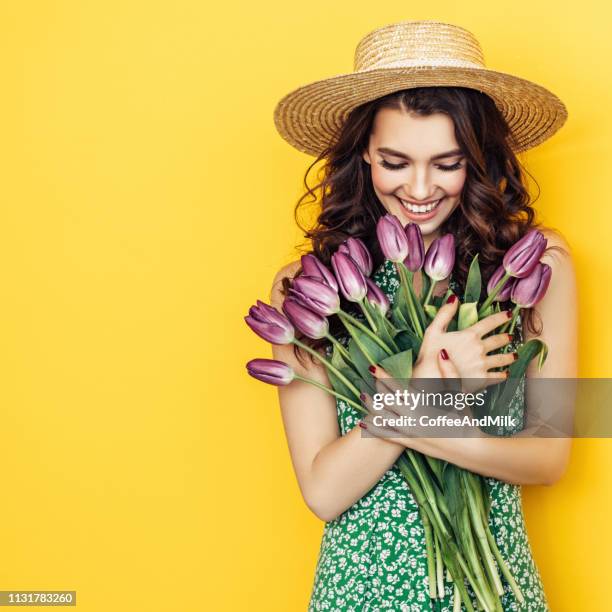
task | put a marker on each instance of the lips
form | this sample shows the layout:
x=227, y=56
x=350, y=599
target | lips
x=417, y=215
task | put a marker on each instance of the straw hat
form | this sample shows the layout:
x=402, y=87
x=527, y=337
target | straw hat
x=415, y=54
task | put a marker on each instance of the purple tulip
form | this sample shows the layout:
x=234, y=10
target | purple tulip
x=350, y=278
x=310, y=323
x=311, y=266
x=504, y=292
x=416, y=247
x=377, y=296
x=440, y=258
x=360, y=254
x=529, y=290
x=392, y=238
x=270, y=371
x=270, y=324
x=523, y=255
x=316, y=294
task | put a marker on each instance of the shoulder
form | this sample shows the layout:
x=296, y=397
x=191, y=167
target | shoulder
x=287, y=271
x=558, y=254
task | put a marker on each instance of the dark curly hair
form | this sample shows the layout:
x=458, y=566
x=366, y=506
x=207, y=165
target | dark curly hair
x=494, y=212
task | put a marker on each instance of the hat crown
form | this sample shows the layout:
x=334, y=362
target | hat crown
x=418, y=43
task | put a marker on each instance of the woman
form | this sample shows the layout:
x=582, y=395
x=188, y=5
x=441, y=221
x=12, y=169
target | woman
x=425, y=132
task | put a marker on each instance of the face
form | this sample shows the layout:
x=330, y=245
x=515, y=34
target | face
x=415, y=161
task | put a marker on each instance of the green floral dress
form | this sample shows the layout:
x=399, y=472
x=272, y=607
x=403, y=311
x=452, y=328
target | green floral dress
x=373, y=555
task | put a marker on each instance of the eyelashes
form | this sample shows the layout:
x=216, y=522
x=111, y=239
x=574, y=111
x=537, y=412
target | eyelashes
x=385, y=164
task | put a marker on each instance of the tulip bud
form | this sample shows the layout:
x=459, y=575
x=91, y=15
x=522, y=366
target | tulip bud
x=310, y=323
x=316, y=294
x=356, y=249
x=392, y=238
x=523, y=255
x=311, y=266
x=270, y=324
x=440, y=258
x=504, y=292
x=271, y=371
x=377, y=296
x=529, y=290
x=416, y=248
x=350, y=278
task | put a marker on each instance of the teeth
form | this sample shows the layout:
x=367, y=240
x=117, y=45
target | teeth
x=420, y=209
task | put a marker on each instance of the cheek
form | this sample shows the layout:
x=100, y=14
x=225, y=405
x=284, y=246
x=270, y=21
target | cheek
x=384, y=180
x=454, y=183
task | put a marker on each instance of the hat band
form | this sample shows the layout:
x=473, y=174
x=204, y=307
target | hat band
x=446, y=62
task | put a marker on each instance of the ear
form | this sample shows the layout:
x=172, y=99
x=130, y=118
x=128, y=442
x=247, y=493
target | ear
x=366, y=157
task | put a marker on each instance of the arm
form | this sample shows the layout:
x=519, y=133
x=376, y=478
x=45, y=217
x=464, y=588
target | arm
x=524, y=460
x=333, y=471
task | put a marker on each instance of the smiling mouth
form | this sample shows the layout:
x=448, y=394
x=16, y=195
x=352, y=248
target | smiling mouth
x=420, y=209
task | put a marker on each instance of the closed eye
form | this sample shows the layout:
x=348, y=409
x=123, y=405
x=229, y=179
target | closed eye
x=389, y=166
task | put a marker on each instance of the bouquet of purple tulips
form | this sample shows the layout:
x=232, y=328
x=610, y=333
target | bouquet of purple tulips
x=454, y=503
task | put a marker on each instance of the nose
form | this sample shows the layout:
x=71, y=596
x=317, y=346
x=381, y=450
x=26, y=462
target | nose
x=418, y=187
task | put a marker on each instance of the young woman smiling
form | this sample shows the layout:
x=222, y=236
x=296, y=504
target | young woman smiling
x=434, y=148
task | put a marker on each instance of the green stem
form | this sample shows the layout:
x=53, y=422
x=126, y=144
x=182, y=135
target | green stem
x=491, y=297
x=474, y=504
x=411, y=307
x=456, y=599
x=339, y=395
x=500, y=561
x=431, y=572
x=449, y=548
x=359, y=325
x=429, y=292
x=439, y=570
x=368, y=317
x=328, y=365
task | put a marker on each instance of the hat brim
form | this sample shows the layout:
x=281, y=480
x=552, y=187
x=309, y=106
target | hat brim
x=310, y=117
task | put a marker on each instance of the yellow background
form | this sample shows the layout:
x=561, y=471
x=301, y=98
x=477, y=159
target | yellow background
x=147, y=201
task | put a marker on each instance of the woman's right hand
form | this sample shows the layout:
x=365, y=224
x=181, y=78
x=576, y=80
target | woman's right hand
x=467, y=349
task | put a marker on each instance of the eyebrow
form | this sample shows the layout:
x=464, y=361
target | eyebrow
x=395, y=153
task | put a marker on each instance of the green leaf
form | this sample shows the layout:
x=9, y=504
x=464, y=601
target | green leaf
x=407, y=339
x=398, y=318
x=361, y=346
x=453, y=494
x=473, y=285
x=399, y=365
x=468, y=315
x=526, y=352
x=426, y=282
x=338, y=385
x=384, y=327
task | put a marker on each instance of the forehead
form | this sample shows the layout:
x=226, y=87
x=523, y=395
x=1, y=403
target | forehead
x=411, y=133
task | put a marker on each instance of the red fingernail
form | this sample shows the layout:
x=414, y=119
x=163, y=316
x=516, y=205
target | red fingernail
x=362, y=425
x=372, y=369
x=362, y=397
x=510, y=337
x=444, y=354
x=509, y=313
x=451, y=299
x=515, y=356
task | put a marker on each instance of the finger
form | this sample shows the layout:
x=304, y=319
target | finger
x=385, y=383
x=445, y=314
x=379, y=431
x=488, y=324
x=446, y=366
x=499, y=360
x=494, y=378
x=496, y=341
